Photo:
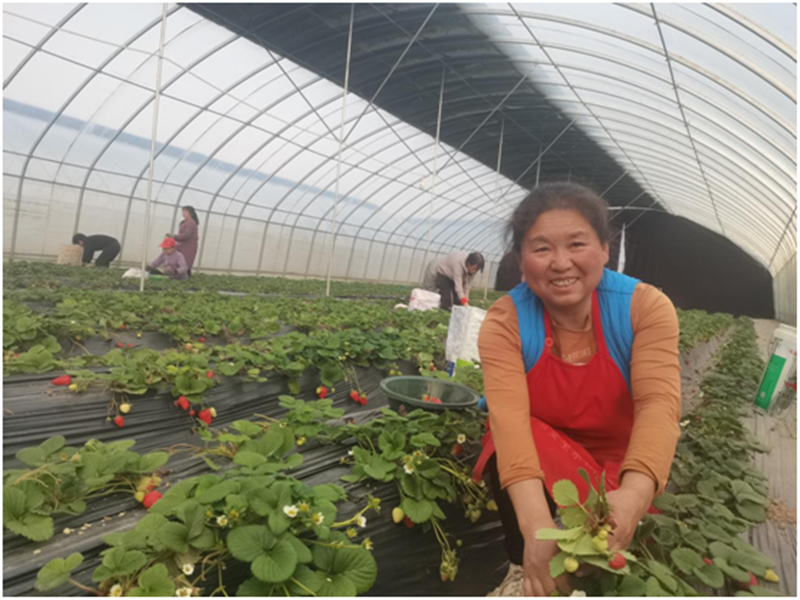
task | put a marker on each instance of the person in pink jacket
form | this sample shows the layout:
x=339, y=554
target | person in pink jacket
x=187, y=236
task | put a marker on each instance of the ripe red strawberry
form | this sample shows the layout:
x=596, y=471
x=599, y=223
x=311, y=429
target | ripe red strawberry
x=354, y=396
x=409, y=523
x=62, y=380
x=457, y=449
x=322, y=391
x=436, y=401
x=182, y=402
x=201, y=339
x=744, y=586
x=210, y=374
x=151, y=498
x=119, y=421
x=122, y=327
x=617, y=561
x=205, y=416
x=191, y=413
x=130, y=345
x=708, y=561
x=432, y=367
x=120, y=345
x=363, y=400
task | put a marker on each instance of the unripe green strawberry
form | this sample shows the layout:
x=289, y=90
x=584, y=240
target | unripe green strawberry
x=398, y=515
x=599, y=544
x=771, y=576
x=602, y=535
x=571, y=564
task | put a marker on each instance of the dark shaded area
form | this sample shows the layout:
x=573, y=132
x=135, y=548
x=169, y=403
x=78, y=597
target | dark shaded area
x=697, y=268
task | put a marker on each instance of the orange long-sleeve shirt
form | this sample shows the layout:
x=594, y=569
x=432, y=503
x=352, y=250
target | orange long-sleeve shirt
x=655, y=382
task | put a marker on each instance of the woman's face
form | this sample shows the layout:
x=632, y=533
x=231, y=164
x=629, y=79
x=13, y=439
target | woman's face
x=562, y=258
x=186, y=214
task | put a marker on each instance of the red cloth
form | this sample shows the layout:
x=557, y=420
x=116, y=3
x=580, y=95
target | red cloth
x=581, y=415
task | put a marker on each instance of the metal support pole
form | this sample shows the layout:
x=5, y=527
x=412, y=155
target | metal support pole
x=341, y=144
x=539, y=166
x=435, y=172
x=497, y=199
x=146, y=234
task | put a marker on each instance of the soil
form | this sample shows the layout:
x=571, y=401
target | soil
x=781, y=514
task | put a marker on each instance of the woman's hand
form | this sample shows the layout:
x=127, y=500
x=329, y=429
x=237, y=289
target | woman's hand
x=536, y=579
x=628, y=505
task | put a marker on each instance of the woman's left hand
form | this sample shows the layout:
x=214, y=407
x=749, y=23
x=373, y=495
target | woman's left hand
x=628, y=505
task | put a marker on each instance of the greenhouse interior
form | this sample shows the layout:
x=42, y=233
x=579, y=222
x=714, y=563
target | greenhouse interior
x=320, y=299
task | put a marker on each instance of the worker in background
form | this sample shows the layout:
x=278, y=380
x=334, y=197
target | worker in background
x=171, y=261
x=451, y=277
x=581, y=370
x=107, y=246
x=187, y=237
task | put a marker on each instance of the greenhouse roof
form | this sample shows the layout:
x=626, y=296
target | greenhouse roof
x=687, y=109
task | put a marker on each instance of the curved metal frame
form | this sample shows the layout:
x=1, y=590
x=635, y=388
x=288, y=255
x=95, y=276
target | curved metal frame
x=719, y=170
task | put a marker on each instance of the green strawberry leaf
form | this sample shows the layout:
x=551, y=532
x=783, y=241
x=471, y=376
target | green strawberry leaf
x=710, y=575
x=565, y=493
x=632, y=586
x=277, y=564
x=559, y=534
x=57, y=572
x=418, y=511
x=154, y=582
x=255, y=588
x=556, y=565
x=174, y=536
x=249, y=542
x=686, y=560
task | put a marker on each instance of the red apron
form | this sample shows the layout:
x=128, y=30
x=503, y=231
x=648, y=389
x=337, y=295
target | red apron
x=581, y=415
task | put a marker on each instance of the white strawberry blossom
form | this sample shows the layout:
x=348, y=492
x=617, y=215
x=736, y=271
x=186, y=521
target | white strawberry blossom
x=318, y=518
x=578, y=593
x=184, y=592
x=290, y=511
x=461, y=438
x=222, y=520
x=409, y=469
x=116, y=591
x=187, y=569
x=361, y=521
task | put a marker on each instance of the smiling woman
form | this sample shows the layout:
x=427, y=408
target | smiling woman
x=581, y=371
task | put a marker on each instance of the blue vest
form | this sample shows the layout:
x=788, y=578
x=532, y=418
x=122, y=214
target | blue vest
x=614, y=296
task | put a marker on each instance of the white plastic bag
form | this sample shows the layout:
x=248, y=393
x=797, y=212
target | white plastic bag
x=462, y=334
x=134, y=273
x=423, y=300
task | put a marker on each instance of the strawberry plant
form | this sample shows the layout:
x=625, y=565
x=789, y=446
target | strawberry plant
x=285, y=531
x=61, y=479
x=416, y=453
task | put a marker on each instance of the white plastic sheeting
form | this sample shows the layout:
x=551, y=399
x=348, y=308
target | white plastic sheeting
x=695, y=101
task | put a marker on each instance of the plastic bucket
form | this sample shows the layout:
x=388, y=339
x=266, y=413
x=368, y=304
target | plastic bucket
x=405, y=394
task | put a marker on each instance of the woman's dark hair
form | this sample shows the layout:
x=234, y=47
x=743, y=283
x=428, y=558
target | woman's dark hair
x=192, y=214
x=558, y=196
x=476, y=258
x=77, y=238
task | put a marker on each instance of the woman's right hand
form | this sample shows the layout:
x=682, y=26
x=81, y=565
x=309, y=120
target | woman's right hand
x=536, y=579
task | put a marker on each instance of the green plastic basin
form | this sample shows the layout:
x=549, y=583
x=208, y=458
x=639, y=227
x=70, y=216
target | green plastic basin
x=405, y=394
